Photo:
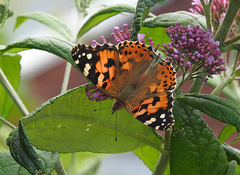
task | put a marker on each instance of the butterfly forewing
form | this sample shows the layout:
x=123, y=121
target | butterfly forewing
x=98, y=65
x=125, y=72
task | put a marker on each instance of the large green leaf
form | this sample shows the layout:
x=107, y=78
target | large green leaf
x=170, y=19
x=47, y=19
x=9, y=63
x=68, y=123
x=194, y=147
x=55, y=46
x=219, y=108
x=103, y=14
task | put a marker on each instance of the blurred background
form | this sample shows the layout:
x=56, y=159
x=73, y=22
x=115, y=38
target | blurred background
x=42, y=73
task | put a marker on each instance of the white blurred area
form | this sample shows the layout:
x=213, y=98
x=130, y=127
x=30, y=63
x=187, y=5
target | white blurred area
x=34, y=62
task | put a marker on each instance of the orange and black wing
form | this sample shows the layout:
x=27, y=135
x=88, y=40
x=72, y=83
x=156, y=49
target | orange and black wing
x=98, y=65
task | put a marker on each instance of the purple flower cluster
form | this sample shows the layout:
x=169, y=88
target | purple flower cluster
x=93, y=93
x=193, y=48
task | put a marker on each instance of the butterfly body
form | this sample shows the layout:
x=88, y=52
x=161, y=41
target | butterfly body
x=126, y=73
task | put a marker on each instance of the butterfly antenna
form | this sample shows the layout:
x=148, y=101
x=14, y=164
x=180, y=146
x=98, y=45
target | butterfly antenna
x=102, y=108
x=116, y=127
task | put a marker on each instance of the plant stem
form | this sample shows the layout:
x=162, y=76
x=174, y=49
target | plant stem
x=222, y=85
x=230, y=41
x=164, y=158
x=7, y=122
x=72, y=163
x=59, y=168
x=207, y=12
x=226, y=24
x=66, y=77
x=13, y=94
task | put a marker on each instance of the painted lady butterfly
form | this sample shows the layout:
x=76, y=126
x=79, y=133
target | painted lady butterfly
x=126, y=73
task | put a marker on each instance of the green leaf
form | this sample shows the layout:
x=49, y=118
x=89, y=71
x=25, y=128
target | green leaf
x=232, y=169
x=8, y=166
x=9, y=63
x=148, y=155
x=104, y=14
x=68, y=123
x=170, y=19
x=219, y=108
x=237, y=73
x=158, y=35
x=235, y=140
x=142, y=11
x=232, y=153
x=55, y=46
x=25, y=154
x=47, y=19
x=5, y=12
x=237, y=47
x=194, y=147
x=226, y=132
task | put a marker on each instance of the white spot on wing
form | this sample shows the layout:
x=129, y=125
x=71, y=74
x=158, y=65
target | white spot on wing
x=86, y=69
x=89, y=56
x=83, y=54
x=77, y=61
x=162, y=116
x=148, y=122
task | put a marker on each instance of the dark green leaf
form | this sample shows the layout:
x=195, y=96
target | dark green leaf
x=170, y=19
x=5, y=12
x=104, y=14
x=237, y=47
x=68, y=123
x=47, y=19
x=53, y=45
x=226, y=132
x=8, y=166
x=9, y=63
x=232, y=153
x=142, y=11
x=219, y=108
x=194, y=147
x=148, y=155
x=25, y=154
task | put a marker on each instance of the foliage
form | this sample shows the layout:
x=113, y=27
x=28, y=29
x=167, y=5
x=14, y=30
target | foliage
x=67, y=123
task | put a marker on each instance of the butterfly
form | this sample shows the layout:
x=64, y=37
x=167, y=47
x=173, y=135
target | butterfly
x=127, y=73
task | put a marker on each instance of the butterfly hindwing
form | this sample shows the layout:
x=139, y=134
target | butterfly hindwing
x=153, y=106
